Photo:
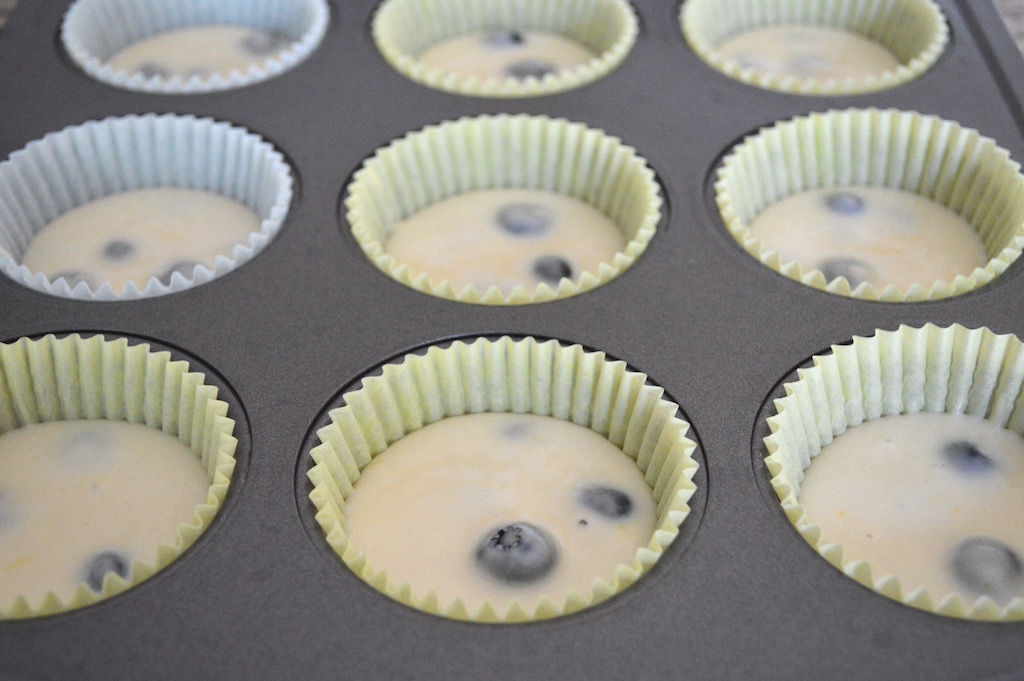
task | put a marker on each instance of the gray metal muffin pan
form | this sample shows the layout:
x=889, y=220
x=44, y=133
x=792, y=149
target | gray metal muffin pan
x=738, y=596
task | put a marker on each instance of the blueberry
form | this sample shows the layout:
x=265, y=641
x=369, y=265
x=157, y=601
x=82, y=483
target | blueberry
x=853, y=270
x=844, y=203
x=966, y=458
x=529, y=68
x=987, y=566
x=101, y=564
x=151, y=69
x=525, y=219
x=809, y=65
x=118, y=249
x=74, y=278
x=552, y=269
x=262, y=43
x=517, y=553
x=503, y=37
x=607, y=501
x=516, y=430
x=184, y=267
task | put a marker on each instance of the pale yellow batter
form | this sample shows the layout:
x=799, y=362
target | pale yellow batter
x=79, y=498
x=424, y=507
x=505, y=237
x=137, y=235
x=909, y=495
x=503, y=53
x=200, y=51
x=870, y=234
x=817, y=52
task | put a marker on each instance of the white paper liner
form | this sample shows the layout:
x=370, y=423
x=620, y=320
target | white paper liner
x=403, y=28
x=930, y=369
x=95, y=30
x=500, y=152
x=914, y=31
x=79, y=164
x=939, y=160
x=526, y=376
x=77, y=377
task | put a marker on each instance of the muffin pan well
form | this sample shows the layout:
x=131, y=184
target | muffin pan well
x=739, y=595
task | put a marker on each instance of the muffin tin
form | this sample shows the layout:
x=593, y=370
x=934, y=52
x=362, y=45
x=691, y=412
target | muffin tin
x=738, y=594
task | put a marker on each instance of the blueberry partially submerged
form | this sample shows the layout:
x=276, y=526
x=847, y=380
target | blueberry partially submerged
x=853, y=270
x=517, y=553
x=118, y=249
x=844, y=203
x=985, y=565
x=967, y=458
x=151, y=69
x=552, y=269
x=503, y=37
x=74, y=278
x=525, y=219
x=262, y=43
x=101, y=564
x=529, y=68
x=182, y=267
x=607, y=501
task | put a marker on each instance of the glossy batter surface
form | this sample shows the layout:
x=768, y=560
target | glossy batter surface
x=808, y=52
x=505, y=53
x=505, y=237
x=425, y=508
x=140, y=234
x=870, y=234
x=200, y=51
x=935, y=499
x=81, y=498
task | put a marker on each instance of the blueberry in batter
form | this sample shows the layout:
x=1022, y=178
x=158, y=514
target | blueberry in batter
x=184, y=267
x=118, y=249
x=504, y=37
x=151, y=69
x=529, y=68
x=855, y=271
x=74, y=278
x=517, y=553
x=261, y=44
x=845, y=203
x=966, y=458
x=987, y=566
x=525, y=219
x=607, y=502
x=552, y=269
x=101, y=564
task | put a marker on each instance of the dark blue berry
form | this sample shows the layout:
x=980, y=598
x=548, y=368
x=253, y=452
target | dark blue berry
x=73, y=278
x=607, y=502
x=517, y=553
x=987, y=566
x=151, y=69
x=185, y=267
x=552, y=269
x=529, y=68
x=844, y=203
x=853, y=270
x=503, y=37
x=525, y=219
x=118, y=249
x=101, y=564
x=260, y=43
x=966, y=458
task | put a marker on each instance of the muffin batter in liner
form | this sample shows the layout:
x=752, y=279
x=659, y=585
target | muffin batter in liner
x=931, y=369
x=79, y=164
x=526, y=376
x=496, y=152
x=75, y=377
x=914, y=31
x=940, y=160
x=95, y=30
x=403, y=28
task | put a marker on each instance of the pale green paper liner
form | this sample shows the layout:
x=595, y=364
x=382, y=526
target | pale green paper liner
x=71, y=378
x=500, y=152
x=940, y=160
x=402, y=29
x=914, y=31
x=930, y=369
x=526, y=376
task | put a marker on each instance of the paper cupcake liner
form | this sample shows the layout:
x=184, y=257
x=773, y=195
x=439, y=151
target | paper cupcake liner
x=93, y=31
x=497, y=152
x=402, y=29
x=939, y=160
x=930, y=369
x=72, y=378
x=79, y=164
x=525, y=376
x=914, y=31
